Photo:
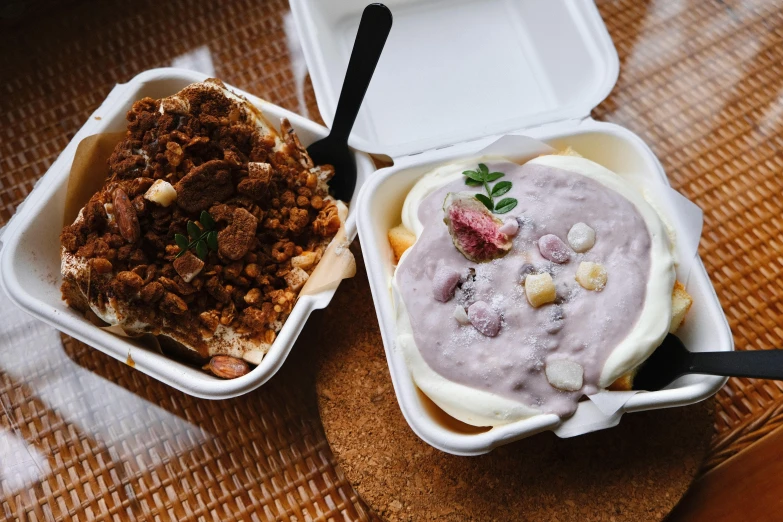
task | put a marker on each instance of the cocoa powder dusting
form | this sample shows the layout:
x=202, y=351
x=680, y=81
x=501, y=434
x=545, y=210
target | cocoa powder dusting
x=259, y=191
x=204, y=185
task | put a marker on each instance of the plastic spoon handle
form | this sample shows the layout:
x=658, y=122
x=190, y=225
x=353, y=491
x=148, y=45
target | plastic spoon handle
x=755, y=364
x=374, y=28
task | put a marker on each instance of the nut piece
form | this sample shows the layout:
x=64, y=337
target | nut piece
x=461, y=315
x=101, y=265
x=234, y=240
x=217, y=290
x=174, y=105
x=296, y=278
x=581, y=237
x=173, y=304
x=540, y=289
x=161, y=192
x=188, y=266
x=152, y=292
x=305, y=261
x=227, y=367
x=295, y=147
x=510, y=227
x=259, y=176
x=592, y=276
x=127, y=283
x=174, y=153
x=564, y=374
x=210, y=320
x=327, y=222
x=125, y=214
x=253, y=297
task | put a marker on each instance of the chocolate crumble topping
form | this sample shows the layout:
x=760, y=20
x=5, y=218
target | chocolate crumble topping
x=268, y=203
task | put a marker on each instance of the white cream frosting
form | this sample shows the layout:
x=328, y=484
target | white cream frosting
x=482, y=408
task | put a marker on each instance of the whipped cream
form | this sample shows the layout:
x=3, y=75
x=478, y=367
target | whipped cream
x=492, y=381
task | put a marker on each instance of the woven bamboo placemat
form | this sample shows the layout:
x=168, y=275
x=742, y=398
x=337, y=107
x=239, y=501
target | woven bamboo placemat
x=83, y=436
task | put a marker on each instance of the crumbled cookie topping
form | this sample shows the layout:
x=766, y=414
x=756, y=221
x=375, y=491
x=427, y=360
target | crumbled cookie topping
x=269, y=205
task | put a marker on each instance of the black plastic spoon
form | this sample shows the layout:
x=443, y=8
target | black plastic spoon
x=672, y=360
x=374, y=28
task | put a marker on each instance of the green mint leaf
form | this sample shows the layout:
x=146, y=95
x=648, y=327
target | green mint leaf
x=483, y=168
x=201, y=250
x=193, y=231
x=472, y=182
x=472, y=174
x=484, y=199
x=501, y=188
x=492, y=176
x=504, y=205
x=207, y=220
x=182, y=242
x=212, y=241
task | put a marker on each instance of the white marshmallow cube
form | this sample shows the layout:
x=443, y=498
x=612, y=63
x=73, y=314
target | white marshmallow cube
x=564, y=374
x=510, y=227
x=581, y=237
x=296, y=278
x=161, y=192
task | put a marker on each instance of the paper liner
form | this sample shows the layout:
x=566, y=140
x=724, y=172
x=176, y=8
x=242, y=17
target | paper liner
x=89, y=171
x=88, y=174
x=518, y=149
x=610, y=402
x=336, y=264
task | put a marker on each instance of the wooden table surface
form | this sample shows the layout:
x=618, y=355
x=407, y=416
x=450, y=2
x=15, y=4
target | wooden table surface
x=83, y=436
x=745, y=487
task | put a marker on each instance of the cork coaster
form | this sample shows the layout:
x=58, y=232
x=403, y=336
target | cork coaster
x=637, y=471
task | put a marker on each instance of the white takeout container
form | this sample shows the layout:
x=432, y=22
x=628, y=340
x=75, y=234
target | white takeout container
x=453, y=78
x=30, y=255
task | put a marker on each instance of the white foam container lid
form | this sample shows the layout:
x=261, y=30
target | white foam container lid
x=457, y=71
x=30, y=255
x=455, y=76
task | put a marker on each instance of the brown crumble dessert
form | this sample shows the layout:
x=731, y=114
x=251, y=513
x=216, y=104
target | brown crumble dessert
x=207, y=227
